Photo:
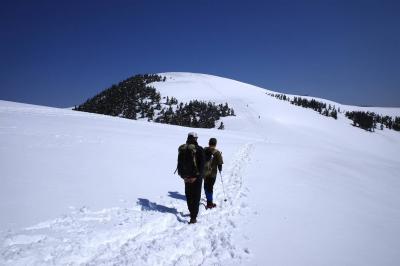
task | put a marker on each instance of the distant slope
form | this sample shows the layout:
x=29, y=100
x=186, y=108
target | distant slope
x=209, y=87
x=246, y=98
x=133, y=98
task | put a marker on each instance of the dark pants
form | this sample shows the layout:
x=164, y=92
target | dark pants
x=209, y=187
x=193, y=195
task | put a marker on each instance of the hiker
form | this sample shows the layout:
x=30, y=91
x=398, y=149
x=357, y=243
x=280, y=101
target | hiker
x=213, y=163
x=191, y=170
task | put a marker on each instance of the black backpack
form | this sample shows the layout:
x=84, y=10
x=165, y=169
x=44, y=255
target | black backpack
x=187, y=164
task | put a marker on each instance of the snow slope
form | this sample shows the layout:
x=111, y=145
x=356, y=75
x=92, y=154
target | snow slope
x=302, y=189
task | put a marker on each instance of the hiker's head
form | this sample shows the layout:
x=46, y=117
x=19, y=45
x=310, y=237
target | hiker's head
x=212, y=142
x=192, y=138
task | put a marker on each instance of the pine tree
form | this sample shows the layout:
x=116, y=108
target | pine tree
x=334, y=114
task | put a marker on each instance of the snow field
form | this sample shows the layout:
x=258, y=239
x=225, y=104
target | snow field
x=149, y=233
x=302, y=189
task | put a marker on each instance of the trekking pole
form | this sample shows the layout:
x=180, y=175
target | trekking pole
x=223, y=188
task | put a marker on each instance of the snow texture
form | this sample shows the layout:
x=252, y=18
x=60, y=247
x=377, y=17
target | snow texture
x=301, y=188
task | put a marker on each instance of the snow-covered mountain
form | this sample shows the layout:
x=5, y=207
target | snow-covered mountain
x=302, y=189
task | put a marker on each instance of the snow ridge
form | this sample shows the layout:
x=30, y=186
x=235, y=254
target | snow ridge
x=148, y=233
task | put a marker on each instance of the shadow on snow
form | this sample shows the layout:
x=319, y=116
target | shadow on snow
x=176, y=195
x=152, y=206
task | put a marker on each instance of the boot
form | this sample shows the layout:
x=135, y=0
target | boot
x=192, y=221
x=210, y=205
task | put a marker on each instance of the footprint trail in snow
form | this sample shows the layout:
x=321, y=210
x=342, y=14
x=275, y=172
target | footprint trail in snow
x=150, y=233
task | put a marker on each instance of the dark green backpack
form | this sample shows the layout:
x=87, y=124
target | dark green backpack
x=187, y=165
x=209, y=157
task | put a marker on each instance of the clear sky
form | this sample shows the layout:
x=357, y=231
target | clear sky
x=59, y=53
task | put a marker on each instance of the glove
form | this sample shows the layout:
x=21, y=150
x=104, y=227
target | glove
x=189, y=179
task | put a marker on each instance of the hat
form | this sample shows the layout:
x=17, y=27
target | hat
x=212, y=142
x=192, y=134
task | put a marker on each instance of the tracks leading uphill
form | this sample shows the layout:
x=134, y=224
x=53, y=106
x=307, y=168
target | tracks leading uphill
x=149, y=233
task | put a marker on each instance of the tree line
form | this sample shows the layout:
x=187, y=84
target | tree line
x=317, y=106
x=195, y=114
x=370, y=120
x=365, y=120
x=134, y=98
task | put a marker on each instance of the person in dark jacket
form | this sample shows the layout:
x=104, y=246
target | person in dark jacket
x=191, y=170
x=213, y=164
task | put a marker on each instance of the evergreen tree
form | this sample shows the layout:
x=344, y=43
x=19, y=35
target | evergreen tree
x=334, y=114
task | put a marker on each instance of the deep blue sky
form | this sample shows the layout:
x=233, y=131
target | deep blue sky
x=59, y=53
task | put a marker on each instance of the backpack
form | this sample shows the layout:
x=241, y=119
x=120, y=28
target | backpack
x=209, y=157
x=187, y=165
